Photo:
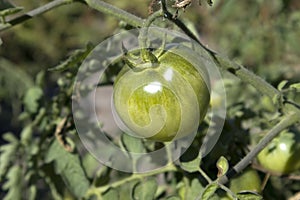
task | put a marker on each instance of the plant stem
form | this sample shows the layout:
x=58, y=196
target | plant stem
x=284, y=123
x=144, y=35
x=207, y=178
x=247, y=76
x=47, y=7
x=136, y=176
x=115, y=12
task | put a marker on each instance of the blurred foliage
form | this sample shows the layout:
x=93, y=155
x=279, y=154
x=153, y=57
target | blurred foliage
x=34, y=101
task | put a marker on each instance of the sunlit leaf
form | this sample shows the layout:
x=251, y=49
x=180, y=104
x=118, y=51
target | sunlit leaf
x=295, y=86
x=222, y=165
x=209, y=191
x=282, y=84
x=191, y=166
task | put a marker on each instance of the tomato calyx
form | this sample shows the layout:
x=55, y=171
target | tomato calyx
x=146, y=59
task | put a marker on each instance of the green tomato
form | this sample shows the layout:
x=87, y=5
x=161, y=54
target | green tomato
x=247, y=181
x=164, y=102
x=281, y=156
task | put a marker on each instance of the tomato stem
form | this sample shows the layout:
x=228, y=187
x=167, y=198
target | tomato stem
x=146, y=54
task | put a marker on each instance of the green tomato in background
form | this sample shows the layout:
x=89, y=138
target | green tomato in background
x=282, y=155
x=249, y=180
x=162, y=102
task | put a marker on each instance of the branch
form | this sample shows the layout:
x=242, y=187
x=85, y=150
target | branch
x=284, y=123
x=22, y=18
x=115, y=12
x=102, y=189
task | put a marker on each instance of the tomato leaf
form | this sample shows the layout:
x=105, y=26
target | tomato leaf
x=145, y=190
x=111, y=194
x=194, y=189
x=209, y=191
x=14, y=183
x=31, y=98
x=69, y=167
x=26, y=134
x=75, y=58
x=7, y=153
x=132, y=144
x=191, y=166
x=295, y=86
x=282, y=84
x=222, y=165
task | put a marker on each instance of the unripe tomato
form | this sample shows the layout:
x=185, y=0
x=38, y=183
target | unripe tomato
x=247, y=181
x=282, y=154
x=162, y=102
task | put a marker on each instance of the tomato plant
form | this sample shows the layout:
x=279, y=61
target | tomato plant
x=43, y=154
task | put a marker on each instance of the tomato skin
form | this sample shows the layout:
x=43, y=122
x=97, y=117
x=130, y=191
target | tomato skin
x=282, y=155
x=249, y=180
x=164, y=102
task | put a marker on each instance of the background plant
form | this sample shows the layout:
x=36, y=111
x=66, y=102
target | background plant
x=43, y=157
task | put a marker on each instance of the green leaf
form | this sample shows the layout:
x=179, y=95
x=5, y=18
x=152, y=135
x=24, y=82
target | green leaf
x=68, y=165
x=295, y=86
x=222, y=165
x=14, y=183
x=282, y=84
x=145, y=190
x=249, y=196
x=26, y=134
x=132, y=144
x=111, y=194
x=194, y=190
x=12, y=76
x=75, y=58
x=7, y=153
x=10, y=137
x=1, y=42
x=209, y=191
x=31, y=98
x=191, y=166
